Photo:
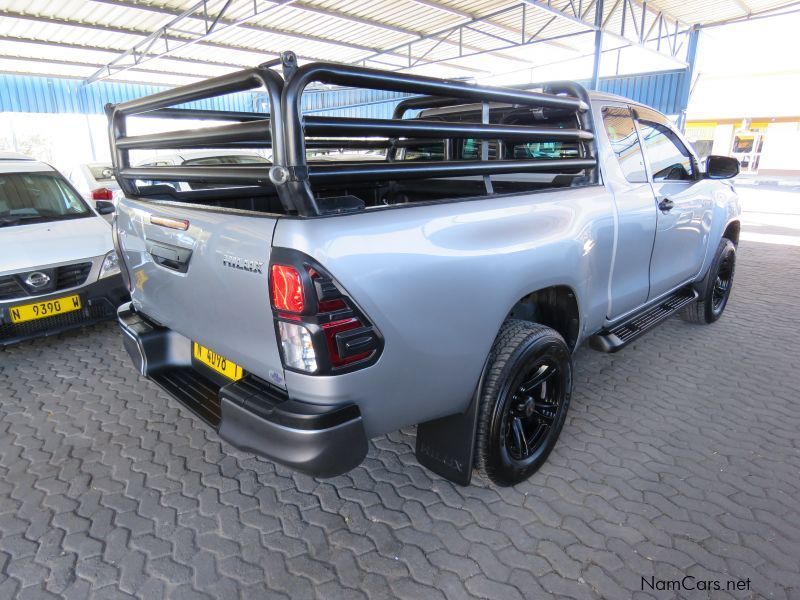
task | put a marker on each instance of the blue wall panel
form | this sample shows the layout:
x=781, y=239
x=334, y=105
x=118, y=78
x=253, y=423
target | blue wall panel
x=659, y=90
x=372, y=104
x=20, y=93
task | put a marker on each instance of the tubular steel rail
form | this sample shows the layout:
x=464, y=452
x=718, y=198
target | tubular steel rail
x=290, y=135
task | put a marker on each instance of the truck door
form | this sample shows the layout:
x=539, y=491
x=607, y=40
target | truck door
x=625, y=176
x=683, y=205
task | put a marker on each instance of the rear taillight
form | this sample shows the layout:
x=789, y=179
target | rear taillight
x=286, y=289
x=320, y=329
x=338, y=345
x=297, y=347
x=102, y=194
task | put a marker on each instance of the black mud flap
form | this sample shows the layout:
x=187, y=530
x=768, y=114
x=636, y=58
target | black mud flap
x=446, y=446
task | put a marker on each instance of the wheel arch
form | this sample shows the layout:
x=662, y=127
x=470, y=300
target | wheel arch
x=732, y=231
x=555, y=306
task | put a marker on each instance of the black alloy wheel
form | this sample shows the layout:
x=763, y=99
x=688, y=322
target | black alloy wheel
x=715, y=289
x=532, y=411
x=523, y=402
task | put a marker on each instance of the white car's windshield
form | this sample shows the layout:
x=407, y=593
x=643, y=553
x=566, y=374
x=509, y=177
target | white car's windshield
x=37, y=197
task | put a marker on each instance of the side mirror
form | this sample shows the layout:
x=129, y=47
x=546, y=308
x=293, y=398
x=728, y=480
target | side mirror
x=721, y=167
x=104, y=207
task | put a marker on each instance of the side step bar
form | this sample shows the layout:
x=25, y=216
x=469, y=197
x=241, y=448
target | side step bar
x=622, y=334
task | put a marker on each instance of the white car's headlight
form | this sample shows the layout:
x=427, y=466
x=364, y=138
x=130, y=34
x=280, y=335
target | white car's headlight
x=110, y=265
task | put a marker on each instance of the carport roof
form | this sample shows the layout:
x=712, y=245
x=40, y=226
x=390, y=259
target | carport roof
x=171, y=42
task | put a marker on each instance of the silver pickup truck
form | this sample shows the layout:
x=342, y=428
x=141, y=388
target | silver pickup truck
x=437, y=269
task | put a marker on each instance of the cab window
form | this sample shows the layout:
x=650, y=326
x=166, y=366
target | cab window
x=668, y=157
x=621, y=132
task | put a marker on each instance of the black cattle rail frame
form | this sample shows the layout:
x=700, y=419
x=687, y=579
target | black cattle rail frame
x=289, y=134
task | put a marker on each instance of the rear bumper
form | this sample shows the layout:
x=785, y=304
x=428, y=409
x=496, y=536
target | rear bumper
x=99, y=300
x=251, y=414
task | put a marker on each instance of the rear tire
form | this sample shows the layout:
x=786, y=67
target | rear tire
x=715, y=288
x=524, y=401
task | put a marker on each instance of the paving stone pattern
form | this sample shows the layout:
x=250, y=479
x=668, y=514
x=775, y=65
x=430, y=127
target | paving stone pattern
x=681, y=455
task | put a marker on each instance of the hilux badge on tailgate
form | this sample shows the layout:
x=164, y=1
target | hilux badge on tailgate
x=244, y=264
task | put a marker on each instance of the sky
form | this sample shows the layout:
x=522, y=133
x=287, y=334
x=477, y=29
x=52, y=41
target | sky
x=748, y=70
x=760, y=46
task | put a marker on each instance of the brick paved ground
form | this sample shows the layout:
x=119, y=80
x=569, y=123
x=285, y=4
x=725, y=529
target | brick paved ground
x=681, y=456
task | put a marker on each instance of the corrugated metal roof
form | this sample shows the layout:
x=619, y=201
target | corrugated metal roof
x=75, y=38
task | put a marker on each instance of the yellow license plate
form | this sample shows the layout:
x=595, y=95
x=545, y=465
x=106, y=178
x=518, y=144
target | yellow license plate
x=218, y=363
x=46, y=308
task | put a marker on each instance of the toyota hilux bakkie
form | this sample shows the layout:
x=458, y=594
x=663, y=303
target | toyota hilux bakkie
x=437, y=268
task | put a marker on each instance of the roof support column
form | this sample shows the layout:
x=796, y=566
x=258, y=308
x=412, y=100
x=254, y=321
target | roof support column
x=598, y=43
x=686, y=87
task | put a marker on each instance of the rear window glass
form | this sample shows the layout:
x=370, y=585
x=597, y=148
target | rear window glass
x=227, y=160
x=425, y=152
x=27, y=197
x=534, y=150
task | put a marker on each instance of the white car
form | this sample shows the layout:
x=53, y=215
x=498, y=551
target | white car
x=58, y=268
x=95, y=181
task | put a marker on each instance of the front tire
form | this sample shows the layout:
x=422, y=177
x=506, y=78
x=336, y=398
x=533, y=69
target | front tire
x=716, y=287
x=524, y=402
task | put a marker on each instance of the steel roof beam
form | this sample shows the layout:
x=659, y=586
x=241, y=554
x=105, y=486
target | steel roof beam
x=76, y=63
x=293, y=34
x=641, y=40
x=517, y=32
x=443, y=36
x=211, y=28
x=127, y=31
x=744, y=6
x=111, y=50
x=247, y=26
x=419, y=35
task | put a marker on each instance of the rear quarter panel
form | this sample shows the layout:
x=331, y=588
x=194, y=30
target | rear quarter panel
x=438, y=281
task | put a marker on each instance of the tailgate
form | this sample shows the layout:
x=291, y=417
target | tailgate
x=208, y=282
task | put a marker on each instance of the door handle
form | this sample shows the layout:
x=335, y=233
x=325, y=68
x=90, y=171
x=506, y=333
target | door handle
x=666, y=205
x=169, y=256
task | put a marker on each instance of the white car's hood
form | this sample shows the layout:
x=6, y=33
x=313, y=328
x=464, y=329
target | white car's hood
x=24, y=247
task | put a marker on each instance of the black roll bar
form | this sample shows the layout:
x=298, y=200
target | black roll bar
x=348, y=75
x=248, y=133
x=289, y=134
x=329, y=173
x=437, y=129
x=239, y=81
x=357, y=171
x=255, y=133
